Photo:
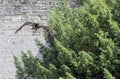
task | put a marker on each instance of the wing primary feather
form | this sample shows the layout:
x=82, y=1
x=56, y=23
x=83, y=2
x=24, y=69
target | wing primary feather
x=50, y=34
x=19, y=29
x=26, y=23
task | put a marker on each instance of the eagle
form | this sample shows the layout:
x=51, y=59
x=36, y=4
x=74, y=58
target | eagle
x=36, y=26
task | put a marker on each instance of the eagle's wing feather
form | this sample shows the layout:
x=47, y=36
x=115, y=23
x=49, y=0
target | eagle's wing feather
x=50, y=34
x=26, y=23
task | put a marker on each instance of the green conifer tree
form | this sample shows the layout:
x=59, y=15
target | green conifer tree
x=86, y=44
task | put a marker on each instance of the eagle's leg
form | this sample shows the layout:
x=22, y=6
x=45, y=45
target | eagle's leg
x=33, y=27
x=34, y=32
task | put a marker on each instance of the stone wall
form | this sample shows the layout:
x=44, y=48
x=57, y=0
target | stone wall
x=13, y=13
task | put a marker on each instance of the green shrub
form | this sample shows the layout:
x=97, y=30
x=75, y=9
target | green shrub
x=86, y=44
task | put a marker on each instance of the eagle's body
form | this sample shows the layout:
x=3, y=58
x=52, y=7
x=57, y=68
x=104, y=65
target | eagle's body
x=36, y=26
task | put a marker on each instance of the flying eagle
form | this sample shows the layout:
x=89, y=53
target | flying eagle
x=36, y=26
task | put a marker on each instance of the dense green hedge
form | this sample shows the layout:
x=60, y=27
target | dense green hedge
x=87, y=43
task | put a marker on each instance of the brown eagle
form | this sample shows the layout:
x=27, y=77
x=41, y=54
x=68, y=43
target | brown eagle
x=36, y=26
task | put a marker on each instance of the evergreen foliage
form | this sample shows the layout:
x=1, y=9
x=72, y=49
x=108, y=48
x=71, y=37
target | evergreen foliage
x=86, y=44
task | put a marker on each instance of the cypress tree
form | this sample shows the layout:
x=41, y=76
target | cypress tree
x=86, y=44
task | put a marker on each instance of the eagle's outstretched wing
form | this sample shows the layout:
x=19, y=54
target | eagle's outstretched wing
x=26, y=23
x=36, y=26
x=50, y=34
